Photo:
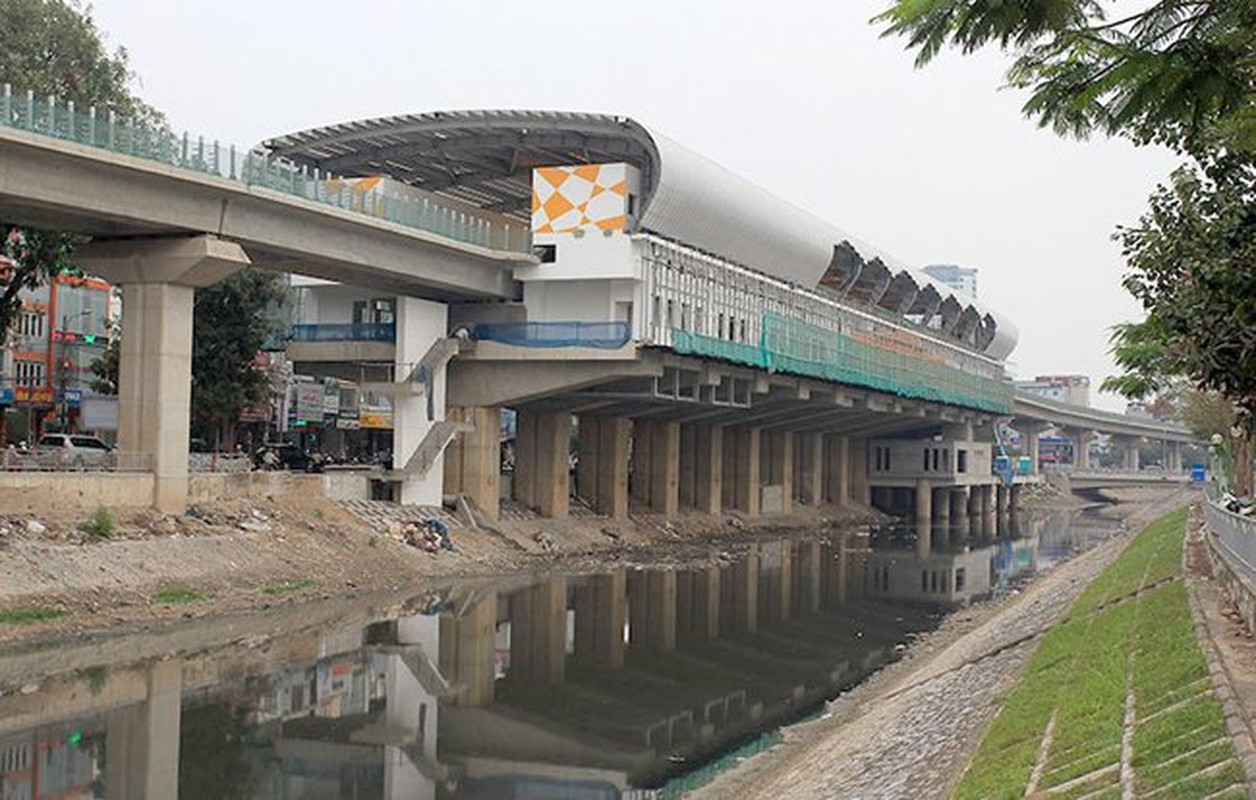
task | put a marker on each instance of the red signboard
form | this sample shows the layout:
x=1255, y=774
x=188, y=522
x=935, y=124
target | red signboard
x=33, y=395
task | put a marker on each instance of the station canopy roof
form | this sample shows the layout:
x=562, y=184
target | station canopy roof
x=485, y=159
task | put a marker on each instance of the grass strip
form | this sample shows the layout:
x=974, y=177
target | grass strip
x=176, y=596
x=29, y=615
x=1136, y=612
x=288, y=586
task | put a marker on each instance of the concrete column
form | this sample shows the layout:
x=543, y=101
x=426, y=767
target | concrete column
x=1015, y=501
x=959, y=512
x=155, y=370
x=1002, y=499
x=741, y=465
x=688, y=466
x=538, y=632
x=420, y=324
x=467, y=645
x=924, y=507
x=708, y=468
x=1133, y=458
x=837, y=470
x=665, y=468
x=602, y=471
x=811, y=479
x=642, y=461
x=542, y=461
x=861, y=489
x=600, y=605
x=473, y=461
x=1081, y=449
x=142, y=753
x=1173, y=458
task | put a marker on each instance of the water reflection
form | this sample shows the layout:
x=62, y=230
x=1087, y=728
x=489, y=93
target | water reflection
x=578, y=686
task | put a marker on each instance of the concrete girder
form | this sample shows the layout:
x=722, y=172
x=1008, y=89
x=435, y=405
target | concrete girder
x=509, y=383
x=72, y=187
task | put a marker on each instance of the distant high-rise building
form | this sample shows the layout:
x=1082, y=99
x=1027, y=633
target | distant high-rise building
x=1072, y=389
x=961, y=279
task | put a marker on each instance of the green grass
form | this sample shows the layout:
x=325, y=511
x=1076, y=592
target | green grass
x=181, y=596
x=1134, y=620
x=288, y=586
x=100, y=525
x=29, y=615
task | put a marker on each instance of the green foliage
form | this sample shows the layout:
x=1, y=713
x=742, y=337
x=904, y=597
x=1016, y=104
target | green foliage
x=288, y=587
x=100, y=525
x=105, y=368
x=27, y=615
x=178, y=595
x=230, y=326
x=1177, y=72
x=50, y=47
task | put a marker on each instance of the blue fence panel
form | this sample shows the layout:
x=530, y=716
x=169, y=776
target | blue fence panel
x=605, y=335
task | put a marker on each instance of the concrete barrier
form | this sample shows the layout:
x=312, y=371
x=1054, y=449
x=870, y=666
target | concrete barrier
x=336, y=485
x=79, y=491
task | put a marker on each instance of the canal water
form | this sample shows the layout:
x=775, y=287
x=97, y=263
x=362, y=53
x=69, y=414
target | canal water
x=583, y=687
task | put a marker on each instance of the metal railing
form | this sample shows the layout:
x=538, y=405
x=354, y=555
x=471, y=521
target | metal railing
x=66, y=460
x=345, y=332
x=1235, y=537
x=62, y=120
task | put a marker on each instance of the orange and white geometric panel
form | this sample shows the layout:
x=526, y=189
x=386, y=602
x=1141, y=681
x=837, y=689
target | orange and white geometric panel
x=566, y=199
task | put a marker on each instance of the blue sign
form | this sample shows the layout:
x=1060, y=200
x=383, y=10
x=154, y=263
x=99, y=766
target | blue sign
x=6, y=396
x=1197, y=473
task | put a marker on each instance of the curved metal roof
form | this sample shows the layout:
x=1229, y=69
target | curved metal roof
x=486, y=158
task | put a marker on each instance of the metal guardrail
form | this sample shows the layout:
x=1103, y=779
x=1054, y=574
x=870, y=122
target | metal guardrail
x=345, y=332
x=1235, y=536
x=608, y=335
x=62, y=460
x=62, y=120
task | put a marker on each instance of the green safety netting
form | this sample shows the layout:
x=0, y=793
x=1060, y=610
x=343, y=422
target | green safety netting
x=799, y=348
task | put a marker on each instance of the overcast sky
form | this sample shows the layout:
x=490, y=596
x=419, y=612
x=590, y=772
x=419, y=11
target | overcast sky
x=803, y=97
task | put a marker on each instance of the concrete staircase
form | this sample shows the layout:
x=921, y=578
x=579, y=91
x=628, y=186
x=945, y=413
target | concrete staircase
x=416, y=381
x=434, y=443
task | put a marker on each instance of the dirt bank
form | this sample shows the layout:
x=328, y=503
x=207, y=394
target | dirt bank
x=141, y=567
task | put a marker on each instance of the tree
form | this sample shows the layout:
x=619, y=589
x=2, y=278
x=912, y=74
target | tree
x=1179, y=72
x=105, y=368
x=230, y=325
x=52, y=48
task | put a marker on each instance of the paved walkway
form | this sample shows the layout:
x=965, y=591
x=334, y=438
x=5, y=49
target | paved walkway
x=909, y=732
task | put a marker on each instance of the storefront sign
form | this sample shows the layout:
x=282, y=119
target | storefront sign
x=380, y=419
x=309, y=402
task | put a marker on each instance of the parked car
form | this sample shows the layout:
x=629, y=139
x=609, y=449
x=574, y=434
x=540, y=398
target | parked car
x=73, y=448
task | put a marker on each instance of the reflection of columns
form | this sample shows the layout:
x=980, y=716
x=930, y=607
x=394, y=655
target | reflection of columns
x=142, y=745
x=467, y=646
x=652, y=609
x=810, y=449
x=542, y=462
x=739, y=596
x=473, y=460
x=600, y=607
x=808, y=571
x=942, y=507
x=776, y=577
x=709, y=468
x=741, y=470
x=538, y=632
x=155, y=368
x=987, y=511
x=698, y=606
